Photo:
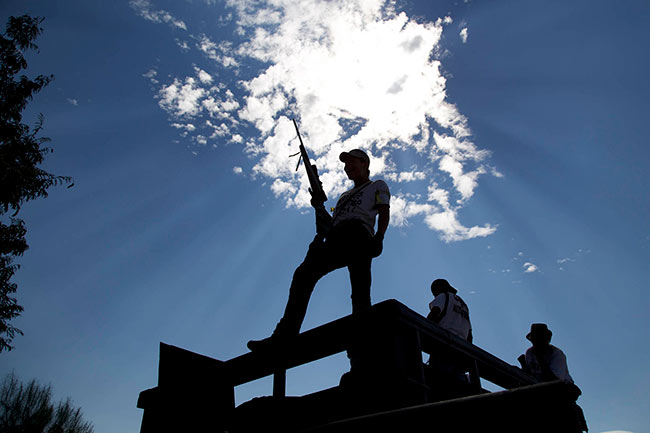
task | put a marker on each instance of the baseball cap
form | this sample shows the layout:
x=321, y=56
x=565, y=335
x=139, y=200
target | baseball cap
x=443, y=286
x=355, y=153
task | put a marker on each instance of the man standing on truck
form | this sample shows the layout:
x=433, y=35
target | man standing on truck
x=351, y=242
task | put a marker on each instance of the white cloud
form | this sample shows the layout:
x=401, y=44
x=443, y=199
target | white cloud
x=565, y=260
x=451, y=229
x=444, y=220
x=465, y=183
x=218, y=53
x=143, y=8
x=204, y=77
x=186, y=100
x=530, y=267
x=237, y=170
x=181, y=98
x=494, y=172
x=617, y=431
x=410, y=176
x=72, y=101
x=402, y=209
x=202, y=140
x=186, y=126
x=151, y=75
x=463, y=35
x=356, y=74
x=282, y=188
x=183, y=45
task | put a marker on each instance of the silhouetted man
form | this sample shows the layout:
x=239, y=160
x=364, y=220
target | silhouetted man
x=351, y=241
x=449, y=311
x=543, y=360
x=445, y=372
x=547, y=363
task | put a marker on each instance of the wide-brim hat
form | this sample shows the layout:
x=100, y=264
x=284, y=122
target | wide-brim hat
x=443, y=285
x=355, y=153
x=539, y=329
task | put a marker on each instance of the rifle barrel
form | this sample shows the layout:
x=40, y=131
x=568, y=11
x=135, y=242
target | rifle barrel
x=298, y=132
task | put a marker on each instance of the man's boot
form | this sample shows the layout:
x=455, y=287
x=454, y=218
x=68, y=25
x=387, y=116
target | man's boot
x=277, y=341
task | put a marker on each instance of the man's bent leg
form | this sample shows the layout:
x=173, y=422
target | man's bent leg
x=317, y=263
x=304, y=280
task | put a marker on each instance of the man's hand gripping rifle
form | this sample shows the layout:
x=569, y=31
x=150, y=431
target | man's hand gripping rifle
x=318, y=197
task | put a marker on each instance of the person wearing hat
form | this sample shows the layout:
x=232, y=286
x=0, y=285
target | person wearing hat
x=351, y=242
x=543, y=360
x=547, y=363
x=449, y=311
x=445, y=372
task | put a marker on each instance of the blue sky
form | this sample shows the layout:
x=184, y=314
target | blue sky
x=512, y=134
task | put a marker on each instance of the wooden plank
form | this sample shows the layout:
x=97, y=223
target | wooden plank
x=335, y=337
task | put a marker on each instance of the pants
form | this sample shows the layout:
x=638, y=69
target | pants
x=346, y=244
x=445, y=376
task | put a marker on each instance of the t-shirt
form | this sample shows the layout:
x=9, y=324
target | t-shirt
x=361, y=203
x=554, y=358
x=456, y=318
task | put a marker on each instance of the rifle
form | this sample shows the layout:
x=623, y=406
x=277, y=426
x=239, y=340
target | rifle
x=318, y=196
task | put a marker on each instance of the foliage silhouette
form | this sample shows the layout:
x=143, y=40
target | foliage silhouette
x=21, y=151
x=29, y=409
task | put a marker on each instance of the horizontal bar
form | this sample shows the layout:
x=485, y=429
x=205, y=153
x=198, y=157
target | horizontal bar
x=335, y=337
